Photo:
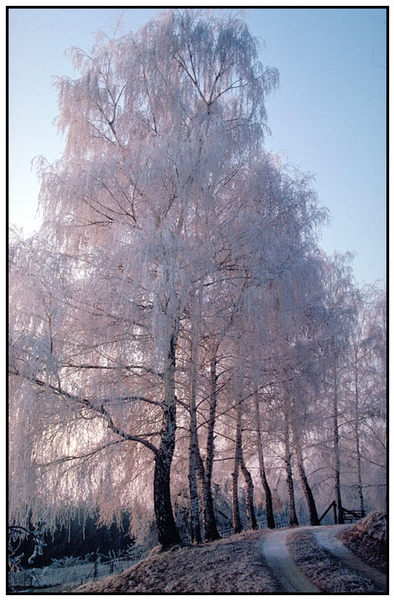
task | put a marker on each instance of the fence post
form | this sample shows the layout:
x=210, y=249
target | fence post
x=95, y=569
x=334, y=504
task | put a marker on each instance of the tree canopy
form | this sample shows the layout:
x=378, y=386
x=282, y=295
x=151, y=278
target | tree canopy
x=175, y=291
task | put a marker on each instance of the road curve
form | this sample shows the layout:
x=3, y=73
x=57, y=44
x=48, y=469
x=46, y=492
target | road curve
x=283, y=567
x=326, y=538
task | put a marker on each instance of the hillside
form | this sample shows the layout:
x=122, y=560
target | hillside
x=368, y=539
x=230, y=565
x=240, y=564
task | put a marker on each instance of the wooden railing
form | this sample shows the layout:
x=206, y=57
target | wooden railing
x=334, y=507
x=347, y=514
x=351, y=515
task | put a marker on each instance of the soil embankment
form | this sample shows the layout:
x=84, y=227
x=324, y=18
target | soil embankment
x=232, y=565
x=302, y=560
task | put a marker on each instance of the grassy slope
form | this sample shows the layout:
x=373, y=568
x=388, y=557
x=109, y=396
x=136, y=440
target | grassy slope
x=322, y=569
x=235, y=565
x=225, y=566
x=368, y=539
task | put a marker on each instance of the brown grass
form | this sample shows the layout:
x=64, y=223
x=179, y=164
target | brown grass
x=368, y=539
x=227, y=566
x=323, y=570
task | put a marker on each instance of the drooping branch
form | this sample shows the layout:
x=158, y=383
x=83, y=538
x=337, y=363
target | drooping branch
x=85, y=366
x=99, y=408
x=84, y=456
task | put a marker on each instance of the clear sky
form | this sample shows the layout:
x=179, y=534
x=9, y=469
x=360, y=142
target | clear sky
x=328, y=116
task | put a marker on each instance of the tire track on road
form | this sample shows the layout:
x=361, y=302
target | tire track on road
x=326, y=538
x=283, y=567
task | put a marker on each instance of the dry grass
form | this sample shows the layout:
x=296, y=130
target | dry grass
x=323, y=570
x=368, y=539
x=227, y=566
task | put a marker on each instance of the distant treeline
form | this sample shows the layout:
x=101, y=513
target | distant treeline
x=82, y=538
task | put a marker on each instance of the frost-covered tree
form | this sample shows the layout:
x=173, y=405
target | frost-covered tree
x=174, y=316
x=340, y=303
x=365, y=392
x=161, y=129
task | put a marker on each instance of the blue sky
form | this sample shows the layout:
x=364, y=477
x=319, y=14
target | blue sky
x=328, y=116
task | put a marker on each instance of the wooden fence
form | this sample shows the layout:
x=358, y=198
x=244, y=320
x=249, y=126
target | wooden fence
x=78, y=574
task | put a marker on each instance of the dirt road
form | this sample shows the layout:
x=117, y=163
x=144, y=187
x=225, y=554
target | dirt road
x=291, y=579
x=284, y=569
x=326, y=538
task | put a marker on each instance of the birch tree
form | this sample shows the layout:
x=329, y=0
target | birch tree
x=176, y=293
x=364, y=388
x=159, y=129
x=340, y=306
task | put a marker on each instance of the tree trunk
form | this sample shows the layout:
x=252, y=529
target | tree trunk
x=210, y=528
x=310, y=500
x=193, y=448
x=249, y=495
x=263, y=477
x=293, y=521
x=193, y=490
x=239, y=462
x=237, y=525
x=235, y=475
x=166, y=528
x=357, y=430
x=337, y=468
